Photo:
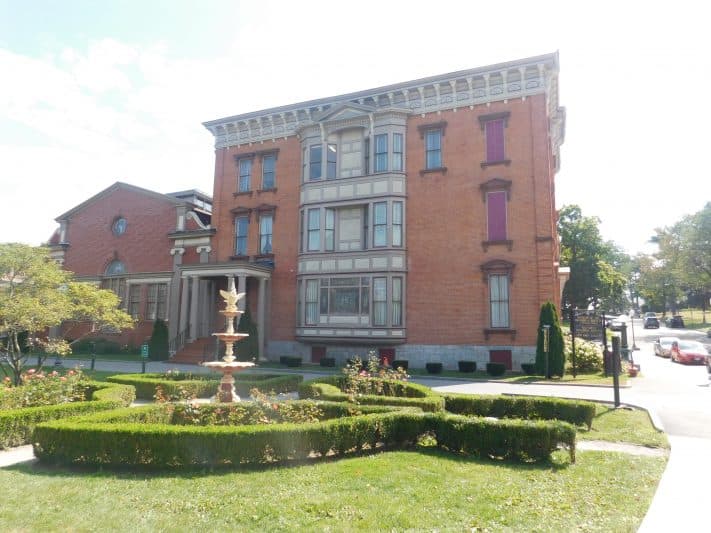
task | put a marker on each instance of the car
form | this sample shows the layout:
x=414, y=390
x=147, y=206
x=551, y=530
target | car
x=676, y=321
x=688, y=352
x=662, y=346
x=618, y=323
x=650, y=314
x=651, y=322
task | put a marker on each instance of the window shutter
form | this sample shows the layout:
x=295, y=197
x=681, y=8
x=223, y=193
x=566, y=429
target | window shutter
x=495, y=140
x=496, y=215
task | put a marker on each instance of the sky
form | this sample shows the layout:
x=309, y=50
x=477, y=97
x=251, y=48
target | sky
x=97, y=92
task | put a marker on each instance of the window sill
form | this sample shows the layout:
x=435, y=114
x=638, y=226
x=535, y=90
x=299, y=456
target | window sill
x=437, y=170
x=272, y=189
x=239, y=258
x=508, y=243
x=244, y=193
x=505, y=162
x=498, y=331
x=263, y=256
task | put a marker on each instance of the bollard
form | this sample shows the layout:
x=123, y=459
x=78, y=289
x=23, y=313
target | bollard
x=93, y=361
x=143, y=366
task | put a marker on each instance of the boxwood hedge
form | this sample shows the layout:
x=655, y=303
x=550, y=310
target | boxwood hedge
x=396, y=393
x=144, y=437
x=16, y=425
x=576, y=412
x=203, y=386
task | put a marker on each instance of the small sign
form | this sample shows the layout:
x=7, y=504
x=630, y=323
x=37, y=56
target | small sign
x=588, y=326
x=144, y=351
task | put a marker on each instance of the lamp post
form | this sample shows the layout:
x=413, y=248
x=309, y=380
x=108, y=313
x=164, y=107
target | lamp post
x=546, y=347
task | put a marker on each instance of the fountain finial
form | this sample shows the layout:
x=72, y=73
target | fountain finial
x=231, y=298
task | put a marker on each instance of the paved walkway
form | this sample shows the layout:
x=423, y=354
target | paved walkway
x=681, y=498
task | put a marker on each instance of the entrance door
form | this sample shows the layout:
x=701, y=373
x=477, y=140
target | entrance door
x=317, y=353
x=501, y=356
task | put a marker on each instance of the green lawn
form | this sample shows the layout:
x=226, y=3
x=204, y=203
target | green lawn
x=624, y=425
x=693, y=319
x=415, y=490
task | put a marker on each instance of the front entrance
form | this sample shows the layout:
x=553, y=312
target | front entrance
x=501, y=356
x=317, y=353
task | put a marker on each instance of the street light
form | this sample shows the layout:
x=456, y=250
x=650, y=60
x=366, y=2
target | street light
x=634, y=344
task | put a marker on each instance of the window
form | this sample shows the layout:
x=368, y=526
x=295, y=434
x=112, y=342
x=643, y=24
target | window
x=397, y=223
x=344, y=297
x=499, y=300
x=314, y=228
x=380, y=224
x=315, y=162
x=496, y=215
x=115, y=268
x=397, y=152
x=119, y=226
x=311, y=311
x=433, y=149
x=268, y=168
x=381, y=153
x=304, y=163
x=366, y=151
x=494, y=140
x=245, y=175
x=134, y=300
x=117, y=285
x=265, y=233
x=157, y=299
x=330, y=230
x=380, y=301
x=331, y=152
x=241, y=230
x=397, y=302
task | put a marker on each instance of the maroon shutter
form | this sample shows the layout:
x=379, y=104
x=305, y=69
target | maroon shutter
x=501, y=356
x=494, y=140
x=496, y=215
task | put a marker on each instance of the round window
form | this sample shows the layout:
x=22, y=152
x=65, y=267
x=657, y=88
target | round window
x=119, y=227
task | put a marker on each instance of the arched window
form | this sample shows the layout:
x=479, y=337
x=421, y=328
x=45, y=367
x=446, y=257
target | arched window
x=119, y=226
x=115, y=268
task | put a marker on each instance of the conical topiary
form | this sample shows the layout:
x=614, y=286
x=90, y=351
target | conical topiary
x=248, y=348
x=158, y=345
x=556, y=347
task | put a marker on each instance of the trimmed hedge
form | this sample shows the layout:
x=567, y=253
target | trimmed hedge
x=288, y=360
x=466, y=366
x=16, y=425
x=434, y=368
x=327, y=362
x=576, y=412
x=203, y=387
x=529, y=368
x=397, y=393
x=142, y=437
x=495, y=369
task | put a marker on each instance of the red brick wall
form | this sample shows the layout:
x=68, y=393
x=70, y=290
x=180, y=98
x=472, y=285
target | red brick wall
x=447, y=299
x=144, y=247
x=285, y=229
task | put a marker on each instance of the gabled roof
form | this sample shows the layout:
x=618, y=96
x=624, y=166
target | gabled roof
x=115, y=187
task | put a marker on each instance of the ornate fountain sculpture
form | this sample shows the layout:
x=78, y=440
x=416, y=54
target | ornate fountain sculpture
x=228, y=366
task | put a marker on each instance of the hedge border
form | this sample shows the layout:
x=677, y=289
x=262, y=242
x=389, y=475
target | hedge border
x=139, y=437
x=405, y=394
x=576, y=412
x=16, y=425
x=145, y=384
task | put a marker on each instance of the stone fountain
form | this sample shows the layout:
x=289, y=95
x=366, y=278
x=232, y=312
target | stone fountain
x=228, y=366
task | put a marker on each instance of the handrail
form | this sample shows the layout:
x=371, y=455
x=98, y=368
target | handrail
x=177, y=343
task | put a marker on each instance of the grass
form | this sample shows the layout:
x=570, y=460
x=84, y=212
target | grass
x=693, y=319
x=624, y=425
x=424, y=490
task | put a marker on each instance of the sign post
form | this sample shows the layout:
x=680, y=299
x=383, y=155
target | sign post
x=144, y=356
x=546, y=347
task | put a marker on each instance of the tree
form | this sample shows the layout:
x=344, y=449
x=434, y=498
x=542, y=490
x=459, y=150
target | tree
x=556, y=347
x=158, y=345
x=248, y=348
x=36, y=294
x=596, y=267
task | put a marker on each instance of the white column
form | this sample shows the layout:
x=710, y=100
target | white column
x=261, y=313
x=194, y=304
x=242, y=288
x=184, y=305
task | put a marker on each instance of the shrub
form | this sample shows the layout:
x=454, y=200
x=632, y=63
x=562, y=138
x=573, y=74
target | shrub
x=202, y=385
x=529, y=368
x=17, y=425
x=556, y=349
x=248, y=348
x=588, y=355
x=358, y=376
x=40, y=388
x=575, y=412
x=400, y=363
x=158, y=345
x=434, y=368
x=327, y=362
x=145, y=437
x=467, y=366
x=495, y=369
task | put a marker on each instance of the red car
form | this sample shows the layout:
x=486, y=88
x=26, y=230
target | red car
x=688, y=352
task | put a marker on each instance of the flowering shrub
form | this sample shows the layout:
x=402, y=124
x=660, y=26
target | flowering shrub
x=38, y=388
x=588, y=355
x=358, y=376
x=263, y=410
